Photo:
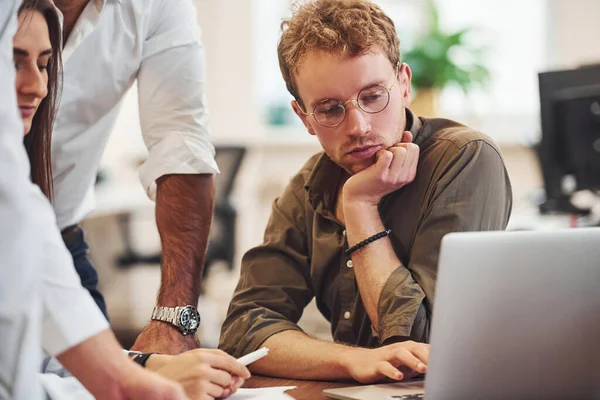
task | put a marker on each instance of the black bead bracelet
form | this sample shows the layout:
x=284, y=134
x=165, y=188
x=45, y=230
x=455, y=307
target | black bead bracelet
x=367, y=241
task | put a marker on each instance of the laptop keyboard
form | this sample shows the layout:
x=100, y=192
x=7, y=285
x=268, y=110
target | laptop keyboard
x=419, y=396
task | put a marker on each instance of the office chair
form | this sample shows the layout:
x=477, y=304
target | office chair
x=221, y=240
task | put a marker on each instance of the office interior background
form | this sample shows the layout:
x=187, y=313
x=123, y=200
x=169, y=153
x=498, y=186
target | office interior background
x=261, y=143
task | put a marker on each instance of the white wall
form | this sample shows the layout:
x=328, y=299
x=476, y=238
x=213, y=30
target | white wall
x=227, y=29
x=575, y=30
x=227, y=35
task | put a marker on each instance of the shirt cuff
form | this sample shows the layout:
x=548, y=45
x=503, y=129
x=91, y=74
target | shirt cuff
x=65, y=328
x=399, y=303
x=255, y=337
x=177, y=153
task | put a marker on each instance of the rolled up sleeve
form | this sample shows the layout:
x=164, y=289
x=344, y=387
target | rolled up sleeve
x=274, y=284
x=471, y=193
x=171, y=85
x=399, y=303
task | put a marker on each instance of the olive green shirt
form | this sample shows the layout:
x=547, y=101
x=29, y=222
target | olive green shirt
x=461, y=185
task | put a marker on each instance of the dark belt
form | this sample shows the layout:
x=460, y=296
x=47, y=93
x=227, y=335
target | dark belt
x=70, y=235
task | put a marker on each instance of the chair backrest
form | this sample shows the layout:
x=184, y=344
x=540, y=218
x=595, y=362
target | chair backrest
x=229, y=160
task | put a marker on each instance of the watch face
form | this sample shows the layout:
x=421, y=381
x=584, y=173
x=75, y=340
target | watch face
x=189, y=319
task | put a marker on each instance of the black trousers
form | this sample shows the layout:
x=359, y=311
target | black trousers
x=75, y=242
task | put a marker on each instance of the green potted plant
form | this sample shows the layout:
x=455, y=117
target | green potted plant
x=434, y=67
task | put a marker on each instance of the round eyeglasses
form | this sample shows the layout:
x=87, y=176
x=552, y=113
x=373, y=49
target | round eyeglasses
x=372, y=100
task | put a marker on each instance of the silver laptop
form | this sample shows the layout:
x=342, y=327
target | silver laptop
x=517, y=316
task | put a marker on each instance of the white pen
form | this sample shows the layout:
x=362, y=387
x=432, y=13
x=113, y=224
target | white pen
x=255, y=355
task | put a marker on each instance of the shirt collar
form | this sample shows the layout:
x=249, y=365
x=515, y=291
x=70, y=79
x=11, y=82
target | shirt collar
x=413, y=124
x=322, y=183
x=99, y=5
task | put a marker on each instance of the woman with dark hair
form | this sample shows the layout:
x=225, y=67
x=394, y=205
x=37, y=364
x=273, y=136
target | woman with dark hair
x=38, y=64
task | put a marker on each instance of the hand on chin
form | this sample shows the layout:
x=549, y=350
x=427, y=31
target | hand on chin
x=393, y=168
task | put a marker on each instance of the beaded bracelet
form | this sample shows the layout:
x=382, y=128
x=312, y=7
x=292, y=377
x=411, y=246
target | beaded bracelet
x=367, y=241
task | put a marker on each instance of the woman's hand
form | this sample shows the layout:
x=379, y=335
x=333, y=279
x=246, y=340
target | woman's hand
x=205, y=374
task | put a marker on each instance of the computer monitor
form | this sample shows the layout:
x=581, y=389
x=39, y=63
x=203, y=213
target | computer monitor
x=570, y=144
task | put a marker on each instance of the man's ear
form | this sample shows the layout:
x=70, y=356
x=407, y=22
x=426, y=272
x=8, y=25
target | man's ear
x=405, y=77
x=303, y=117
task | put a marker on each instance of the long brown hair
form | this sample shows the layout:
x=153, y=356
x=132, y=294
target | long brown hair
x=38, y=140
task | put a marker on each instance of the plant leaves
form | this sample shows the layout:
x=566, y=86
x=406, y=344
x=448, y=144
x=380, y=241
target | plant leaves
x=431, y=62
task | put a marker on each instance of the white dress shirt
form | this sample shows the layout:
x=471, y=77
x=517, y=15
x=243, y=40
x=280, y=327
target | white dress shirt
x=113, y=43
x=39, y=288
x=20, y=306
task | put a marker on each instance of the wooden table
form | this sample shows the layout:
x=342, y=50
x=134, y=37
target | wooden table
x=305, y=390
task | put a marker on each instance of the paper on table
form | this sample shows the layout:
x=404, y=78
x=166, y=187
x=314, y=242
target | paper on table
x=270, y=393
x=70, y=388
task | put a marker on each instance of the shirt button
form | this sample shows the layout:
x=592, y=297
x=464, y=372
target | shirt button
x=347, y=315
x=349, y=264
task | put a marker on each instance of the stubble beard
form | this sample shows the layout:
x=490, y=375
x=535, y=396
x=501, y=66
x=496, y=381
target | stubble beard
x=360, y=142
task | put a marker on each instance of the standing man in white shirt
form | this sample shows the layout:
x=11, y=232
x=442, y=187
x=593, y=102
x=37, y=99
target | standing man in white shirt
x=108, y=44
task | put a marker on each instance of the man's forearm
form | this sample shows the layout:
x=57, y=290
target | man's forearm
x=295, y=355
x=374, y=263
x=184, y=206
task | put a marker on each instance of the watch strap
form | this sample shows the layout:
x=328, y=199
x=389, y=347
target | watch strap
x=165, y=314
x=142, y=358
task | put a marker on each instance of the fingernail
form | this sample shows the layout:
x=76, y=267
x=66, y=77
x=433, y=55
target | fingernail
x=226, y=392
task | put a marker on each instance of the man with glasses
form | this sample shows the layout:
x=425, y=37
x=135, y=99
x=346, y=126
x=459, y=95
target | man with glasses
x=359, y=227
